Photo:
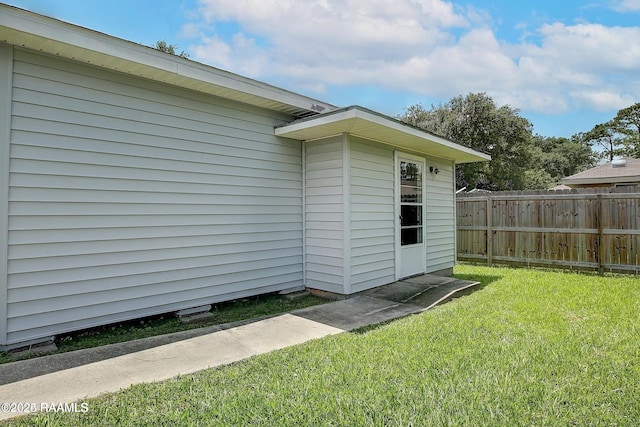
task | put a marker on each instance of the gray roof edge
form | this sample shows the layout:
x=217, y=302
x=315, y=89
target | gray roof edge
x=602, y=180
x=51, y=30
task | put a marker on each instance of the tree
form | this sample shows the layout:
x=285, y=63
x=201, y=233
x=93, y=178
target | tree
x=538, y=179
x=553, y=158
x=604, y=136
x=162, y=46
x=627, y=125
x=561, y=157
x=476, y=122
x=619, y=136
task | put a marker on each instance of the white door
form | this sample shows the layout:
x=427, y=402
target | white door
x=411, y=213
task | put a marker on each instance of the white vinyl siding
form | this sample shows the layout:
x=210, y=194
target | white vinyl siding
x=324, y=230
x=440, y=219
x=372, y=215
x=129, y=198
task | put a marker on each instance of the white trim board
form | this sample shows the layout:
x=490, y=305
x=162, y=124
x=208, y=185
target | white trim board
x=367, y=124
x=6, y=87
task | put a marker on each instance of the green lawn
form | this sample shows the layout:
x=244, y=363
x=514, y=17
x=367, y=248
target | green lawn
x=531, y=347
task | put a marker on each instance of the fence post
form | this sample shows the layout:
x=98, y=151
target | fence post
x=489, y=210
x=600, y=239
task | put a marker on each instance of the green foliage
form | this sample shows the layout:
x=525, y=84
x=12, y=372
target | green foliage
x=605, y=138
x=475, y=121
x=530, y=348
x=519, y=159
x=538, y=179
x=619, y=136
x=555, y=158
x=162, y=46
x=627, y=124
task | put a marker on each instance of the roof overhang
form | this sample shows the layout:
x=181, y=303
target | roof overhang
x=370, y=125
x=631, y=179
x=40, y=33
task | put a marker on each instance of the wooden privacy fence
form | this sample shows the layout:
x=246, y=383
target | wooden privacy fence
x=593, y=229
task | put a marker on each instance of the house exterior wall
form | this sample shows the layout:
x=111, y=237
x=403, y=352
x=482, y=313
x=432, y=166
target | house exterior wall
x=324, y=214
x=129, y=198
x=350, y=234
x=372, y=214
x=345, y=256
x=123, y=198
x=440, y=215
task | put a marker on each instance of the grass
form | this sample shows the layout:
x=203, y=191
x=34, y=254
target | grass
x=232, y=311
x=531, y=347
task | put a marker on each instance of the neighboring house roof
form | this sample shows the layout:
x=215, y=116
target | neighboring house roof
x=40, y=33
x=618, y=171
x=359, y=121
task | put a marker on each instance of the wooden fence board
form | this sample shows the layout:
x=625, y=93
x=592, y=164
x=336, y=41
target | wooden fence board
x=597, y=229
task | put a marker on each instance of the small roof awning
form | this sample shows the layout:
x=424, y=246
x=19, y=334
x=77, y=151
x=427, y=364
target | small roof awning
x=370, y=125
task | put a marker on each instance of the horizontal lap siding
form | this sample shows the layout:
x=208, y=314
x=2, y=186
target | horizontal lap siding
x=129, y=198
x=440, y=216
x=372, y=215
x=324, y=229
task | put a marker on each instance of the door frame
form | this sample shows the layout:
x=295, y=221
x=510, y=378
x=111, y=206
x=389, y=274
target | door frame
x=397, y=157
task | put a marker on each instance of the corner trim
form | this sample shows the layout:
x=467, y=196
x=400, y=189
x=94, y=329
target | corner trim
x=346, y=213
x=6, y=88
x=304, y=213
x=396, y=216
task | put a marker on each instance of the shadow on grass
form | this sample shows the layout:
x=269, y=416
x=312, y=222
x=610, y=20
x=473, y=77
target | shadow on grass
x=368, y=328
x=484, y=281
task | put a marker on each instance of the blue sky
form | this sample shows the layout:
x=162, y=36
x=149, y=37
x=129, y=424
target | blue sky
x=566, y=65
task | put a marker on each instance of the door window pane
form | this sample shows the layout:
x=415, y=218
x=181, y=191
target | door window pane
x=411, y=236
x=410, y=215
x=411, y=231
x=410, y=182
x=410, y=194
x=411, y=174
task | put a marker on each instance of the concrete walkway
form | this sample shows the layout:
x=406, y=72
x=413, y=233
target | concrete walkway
x=73, y=376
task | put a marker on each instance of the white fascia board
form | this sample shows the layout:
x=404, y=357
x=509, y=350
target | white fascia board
x=401, y=127
x=48, y=35
x=308, y=129
x=367, y=124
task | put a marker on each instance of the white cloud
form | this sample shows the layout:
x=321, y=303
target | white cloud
x=189, y=31
x=593, y=47
x=585, y=65
x=626, y=5
x=240, y=54
x=603, y=100
x=429, y=47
